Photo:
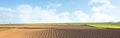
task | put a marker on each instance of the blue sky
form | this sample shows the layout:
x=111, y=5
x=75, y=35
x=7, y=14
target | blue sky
x=59, y=11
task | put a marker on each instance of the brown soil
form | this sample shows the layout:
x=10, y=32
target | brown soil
x=59, y=32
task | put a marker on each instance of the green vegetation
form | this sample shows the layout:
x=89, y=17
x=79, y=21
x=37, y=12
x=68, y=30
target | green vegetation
x=96, y=25
x=105, y=25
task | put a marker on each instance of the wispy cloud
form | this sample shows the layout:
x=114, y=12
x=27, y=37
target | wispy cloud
x=100, y=17
x=6, y=9
x=6, y=15
x=28, y=14
x=54, y=5
x=105, y=5
x=99, y=14
x=58, y=12
x=80, y=16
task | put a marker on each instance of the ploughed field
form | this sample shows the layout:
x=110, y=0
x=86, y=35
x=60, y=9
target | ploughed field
x=57, y=32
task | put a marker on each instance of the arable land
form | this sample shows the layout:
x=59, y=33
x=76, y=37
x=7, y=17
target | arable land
x=43, y=31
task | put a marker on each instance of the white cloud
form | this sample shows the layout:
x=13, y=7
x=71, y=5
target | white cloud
x=28, y=14
x=6, y=15
x=65, y=16
x=106, y=5
x=80, y=16
x=58, y=5
x=46, y=15
x=54, y=5
x=101, y=10
x=6, y=9
x=100, y=17
x=24, y=12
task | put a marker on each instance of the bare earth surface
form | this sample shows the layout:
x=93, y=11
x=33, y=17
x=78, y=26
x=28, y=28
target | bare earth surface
x=58, y=32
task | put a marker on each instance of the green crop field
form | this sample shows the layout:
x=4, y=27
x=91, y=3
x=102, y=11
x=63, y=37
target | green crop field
x=105, y=25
